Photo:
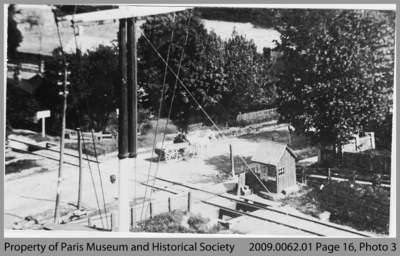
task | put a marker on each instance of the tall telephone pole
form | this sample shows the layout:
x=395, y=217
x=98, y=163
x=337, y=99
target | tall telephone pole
x=64, y=93
x=127, y=134
x=132, y=95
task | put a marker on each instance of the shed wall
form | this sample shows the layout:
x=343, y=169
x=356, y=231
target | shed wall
x=287, y=177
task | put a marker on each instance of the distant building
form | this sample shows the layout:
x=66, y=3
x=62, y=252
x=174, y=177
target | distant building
x=274, y=163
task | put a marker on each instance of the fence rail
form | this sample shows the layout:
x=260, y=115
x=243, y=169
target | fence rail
x=257, y=116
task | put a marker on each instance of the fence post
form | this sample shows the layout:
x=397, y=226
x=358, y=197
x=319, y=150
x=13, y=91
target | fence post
x=188, y=206
x=132, y=218
x=151, y=210
x=329, y=174
x=303, y=175
x=232, y=160
x=169, y=204
x=353, y=177
x=111, y=221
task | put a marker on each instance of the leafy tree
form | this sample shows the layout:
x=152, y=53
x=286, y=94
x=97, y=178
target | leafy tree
x=21, y=108
x=336, y=70
x=248, y=73
x=224, y=77
x=201, y=70
x=216, y=73
x=14, y=36
x=93, y=93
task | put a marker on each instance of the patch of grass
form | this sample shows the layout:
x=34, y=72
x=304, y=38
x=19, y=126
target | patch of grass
x=359, y=206
x=178, y=222
x=362, y=207
x=304, y=201
x=20, y=165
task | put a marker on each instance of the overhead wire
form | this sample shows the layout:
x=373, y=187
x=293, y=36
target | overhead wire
x=99, y=173
x=93, y=182
x=78, y=52
x=172, y=99
x=158, y=116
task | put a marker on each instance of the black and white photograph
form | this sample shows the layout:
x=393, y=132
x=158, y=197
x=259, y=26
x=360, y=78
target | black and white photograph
x=226, y=120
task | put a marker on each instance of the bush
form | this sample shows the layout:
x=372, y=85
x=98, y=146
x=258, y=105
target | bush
x=20, y=109
x=363, y=207
x=173, y=223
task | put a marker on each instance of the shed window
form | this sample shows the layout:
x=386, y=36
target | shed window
x=281, y=171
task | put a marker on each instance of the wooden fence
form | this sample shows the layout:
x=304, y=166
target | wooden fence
x=257, y=116
x=365, y=162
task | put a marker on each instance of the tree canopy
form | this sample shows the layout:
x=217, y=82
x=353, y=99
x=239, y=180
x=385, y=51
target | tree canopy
x=336, y=70
x=14, y=36
x=225, y=77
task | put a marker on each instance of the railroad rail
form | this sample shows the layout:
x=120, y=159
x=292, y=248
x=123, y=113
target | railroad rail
x=51, y=150
x=261, y=218
x=261, y=207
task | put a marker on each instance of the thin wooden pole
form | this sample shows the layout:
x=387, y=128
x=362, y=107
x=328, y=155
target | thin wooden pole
x=61, y=162
x=353, y=177
x=112, y=221
x=329, y=174
x=169, y=204
x=132, y=218
x=188, y=205
x=151, y=210
x=232, y=160
x=78, y=204
x=43, y=127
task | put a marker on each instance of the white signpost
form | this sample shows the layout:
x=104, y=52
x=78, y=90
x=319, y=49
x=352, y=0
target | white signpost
x=43, y=115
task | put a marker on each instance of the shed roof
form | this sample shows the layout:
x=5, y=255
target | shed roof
x=270, y=152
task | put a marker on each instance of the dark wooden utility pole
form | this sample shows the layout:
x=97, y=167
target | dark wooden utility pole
x=123, y=108
x=64, y=93
x=127, y=134
x=132, y=88
x=132, y=96
x=123, y=139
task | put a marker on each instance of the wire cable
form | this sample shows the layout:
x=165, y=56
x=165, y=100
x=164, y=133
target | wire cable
x=158, y=116
x=93, y=182
x=99, y=172
x=172, y=99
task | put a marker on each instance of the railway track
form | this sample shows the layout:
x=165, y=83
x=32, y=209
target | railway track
x=259, y=211
x=260, y=206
